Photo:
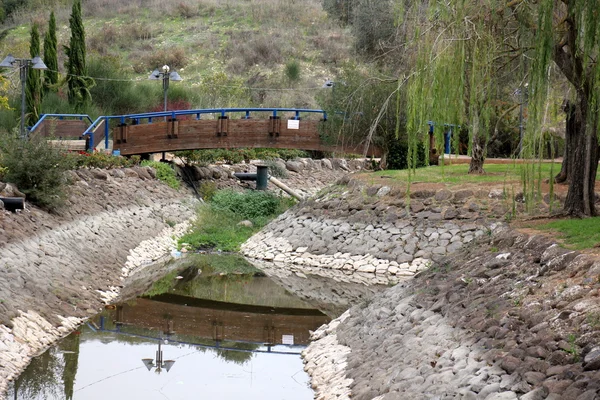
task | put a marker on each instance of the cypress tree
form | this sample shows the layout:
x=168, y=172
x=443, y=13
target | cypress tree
x=78, y=83
x=33, y=90
x=51, y=56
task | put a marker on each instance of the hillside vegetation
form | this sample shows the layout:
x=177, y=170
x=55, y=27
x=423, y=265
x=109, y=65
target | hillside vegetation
x=270, y=53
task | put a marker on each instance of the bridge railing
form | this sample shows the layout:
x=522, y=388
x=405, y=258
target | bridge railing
x=149, y=117
x=91, y=132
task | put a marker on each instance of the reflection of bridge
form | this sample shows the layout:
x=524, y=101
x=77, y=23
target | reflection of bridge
x=187, y=130
x=220, y=321
x=262, y=348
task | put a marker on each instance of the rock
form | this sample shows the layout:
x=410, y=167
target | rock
x=215, y=173
x=536, y=394
x=462, y=195
x=199, y=173
x=246, y=223
x=326, y=163
x=384, y=191
x=130, y=173
x=142, y=173
x=294, y=166
x=340, y=163
x=592, y=360
x=11, y=190
x=99, y=174
x=443, y=194
x=1, y=205
x=117, y=173
x=151, y=172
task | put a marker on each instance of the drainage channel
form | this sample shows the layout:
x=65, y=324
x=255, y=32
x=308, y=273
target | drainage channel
x=196, y=333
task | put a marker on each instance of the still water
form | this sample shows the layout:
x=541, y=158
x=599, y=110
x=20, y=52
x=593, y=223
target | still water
x=190, y=336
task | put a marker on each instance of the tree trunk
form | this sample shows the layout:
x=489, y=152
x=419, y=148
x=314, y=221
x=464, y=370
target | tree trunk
x=564, y=175
x=477, y=156
x=582, y=164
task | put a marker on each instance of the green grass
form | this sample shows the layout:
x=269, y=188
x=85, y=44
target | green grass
x=218, y=230
x=217, y=225
x=577, y=233
x=454, y=174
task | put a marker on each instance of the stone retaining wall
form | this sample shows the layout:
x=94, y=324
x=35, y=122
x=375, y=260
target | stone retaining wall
x=500, y=315
x=375, y=234
x=51, y=282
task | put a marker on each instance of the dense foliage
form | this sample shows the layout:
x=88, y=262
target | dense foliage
x=164, y=172
x=218, y=223
x=51, y=56
x=236, y=156
x=78, y=81
x=33, y=88
x=36, y=168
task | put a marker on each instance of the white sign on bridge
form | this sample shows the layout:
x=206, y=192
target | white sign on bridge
x=293, y=124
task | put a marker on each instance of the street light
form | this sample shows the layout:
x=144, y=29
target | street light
x=23, y=64
x=165, y=76
x=160, y=364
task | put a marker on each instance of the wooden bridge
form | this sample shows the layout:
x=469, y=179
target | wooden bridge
x=279, y=128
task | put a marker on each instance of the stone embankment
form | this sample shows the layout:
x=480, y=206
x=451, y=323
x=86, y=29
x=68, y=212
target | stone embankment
x=304, y=175
x=506, y=316
x=373, y=233
x=58, y=269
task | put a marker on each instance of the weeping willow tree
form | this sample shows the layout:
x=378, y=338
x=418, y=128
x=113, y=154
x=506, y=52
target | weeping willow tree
x=467, y=54
x=455, y=81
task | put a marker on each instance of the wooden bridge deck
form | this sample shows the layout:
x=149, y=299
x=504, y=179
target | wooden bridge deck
x=179, y=130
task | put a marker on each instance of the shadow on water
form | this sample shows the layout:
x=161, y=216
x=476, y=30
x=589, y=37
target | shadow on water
x=222, y=332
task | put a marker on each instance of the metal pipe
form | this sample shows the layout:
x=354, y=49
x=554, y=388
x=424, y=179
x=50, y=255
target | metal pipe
x=285, y=188
x=13, y=203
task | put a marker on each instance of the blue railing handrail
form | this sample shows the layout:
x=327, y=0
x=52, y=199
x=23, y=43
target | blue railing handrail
x=59, y=116
x=221, y=111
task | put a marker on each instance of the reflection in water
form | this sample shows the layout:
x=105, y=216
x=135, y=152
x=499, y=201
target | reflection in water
x=208, y=335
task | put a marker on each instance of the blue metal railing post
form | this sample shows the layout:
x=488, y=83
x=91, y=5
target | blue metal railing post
x=106, y=132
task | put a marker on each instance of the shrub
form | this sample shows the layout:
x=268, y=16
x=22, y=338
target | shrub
x=100, y=160
x=398, y=155
x=174, y=57
x=36, y=168
x=246, y=205
x=207, y=190
x=275, y=169
x=217, y=225
x=164, y=172
x=292, y=71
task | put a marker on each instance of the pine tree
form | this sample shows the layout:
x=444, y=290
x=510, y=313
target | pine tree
x=78, y=83
x=33, y=92
x=51, y=56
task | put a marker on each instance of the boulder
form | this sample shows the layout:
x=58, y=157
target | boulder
x=99, y=174
x=294, y=166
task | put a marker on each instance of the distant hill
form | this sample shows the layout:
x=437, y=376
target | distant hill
x=278, y=52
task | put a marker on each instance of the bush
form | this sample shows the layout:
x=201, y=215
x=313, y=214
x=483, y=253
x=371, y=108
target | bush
x=246, y=205
x=398, y=155
x=292, y=71
x=207, y=190
x=100, y=160
x=275, y=169
x=217, y=225
x=164, y=172
x=36, y=168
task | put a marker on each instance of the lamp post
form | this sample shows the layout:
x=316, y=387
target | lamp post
x=23, y=64
x=160, y=363
x=166, y=75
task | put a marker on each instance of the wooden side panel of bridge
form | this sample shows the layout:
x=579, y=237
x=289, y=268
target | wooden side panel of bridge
x=224, y=133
